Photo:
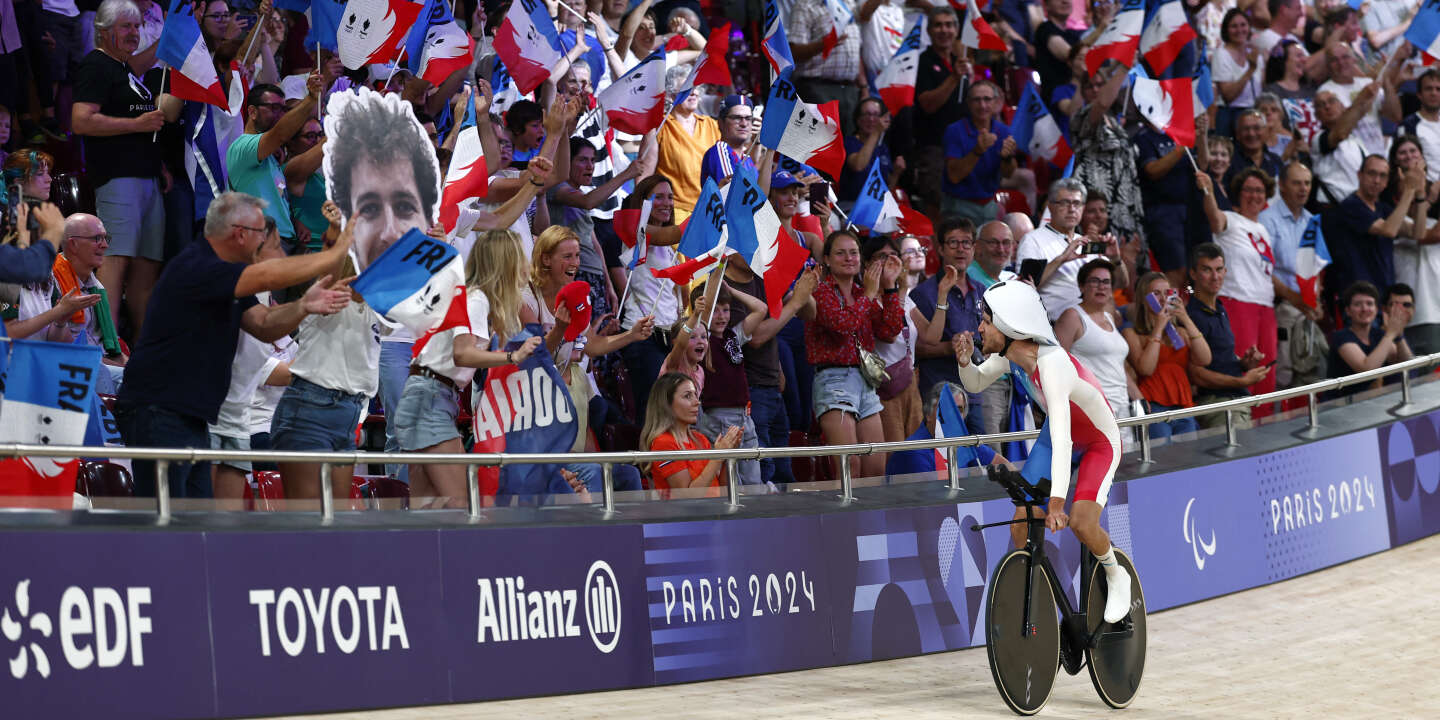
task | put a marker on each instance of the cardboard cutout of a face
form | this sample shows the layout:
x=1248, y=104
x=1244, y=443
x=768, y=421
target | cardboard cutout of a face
x=365, y=25
x=383, y=198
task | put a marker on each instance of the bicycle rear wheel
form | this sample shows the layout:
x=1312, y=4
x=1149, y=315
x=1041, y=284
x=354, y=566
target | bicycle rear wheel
x=1023, y=660
x=1117, y=662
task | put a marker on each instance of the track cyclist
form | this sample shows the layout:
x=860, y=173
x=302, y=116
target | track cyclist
x=1014, y=329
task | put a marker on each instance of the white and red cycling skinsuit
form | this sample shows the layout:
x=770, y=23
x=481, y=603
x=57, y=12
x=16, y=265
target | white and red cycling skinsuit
x=1084, y=423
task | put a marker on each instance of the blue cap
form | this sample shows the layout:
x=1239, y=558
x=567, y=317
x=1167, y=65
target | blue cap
x=782, y=179
x=732, y=101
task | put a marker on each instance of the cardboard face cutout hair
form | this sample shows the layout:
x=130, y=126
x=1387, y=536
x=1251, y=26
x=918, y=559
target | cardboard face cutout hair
x=382, y=162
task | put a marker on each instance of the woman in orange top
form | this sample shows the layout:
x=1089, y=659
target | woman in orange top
x=670, y=418
x=683, y=139
x=1161, y=369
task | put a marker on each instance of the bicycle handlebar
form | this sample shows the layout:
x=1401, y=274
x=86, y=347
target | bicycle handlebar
x=1021, y=492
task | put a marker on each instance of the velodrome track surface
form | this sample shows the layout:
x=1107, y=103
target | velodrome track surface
x=1355, y=640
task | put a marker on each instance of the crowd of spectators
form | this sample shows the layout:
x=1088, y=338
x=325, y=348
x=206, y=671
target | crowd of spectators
x=196, y=246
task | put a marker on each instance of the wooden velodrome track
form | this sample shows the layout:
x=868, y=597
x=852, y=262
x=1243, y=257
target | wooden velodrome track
x=1349, y=641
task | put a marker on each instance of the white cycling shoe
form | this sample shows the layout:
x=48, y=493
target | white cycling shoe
x=1117, y=601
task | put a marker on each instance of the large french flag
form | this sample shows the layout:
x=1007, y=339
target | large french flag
x=840, y=18
x=875, y=208
x=1120, y=39
x=1168, y=105
x=371, y=31
x=413, y=281
x=447, y=49
x=635, y=103
x=1314, y=255
x=896, y=82
x=528, y=44
x=631, y=225
x=976, y=33
x=705, y=228
x=49, y=394
x=1036, y=132
x=757, y=235
x=809, y=133
x=433, y=13
x=467, y=176
x=1166, y=34
x=1424, y=32
x=711, y=68
x=775, y=45
x=192, y=71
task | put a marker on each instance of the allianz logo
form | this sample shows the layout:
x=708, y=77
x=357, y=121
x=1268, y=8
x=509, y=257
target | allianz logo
x=508, y=611
x=346, y=616
x=100, y=628
x=1201, y=549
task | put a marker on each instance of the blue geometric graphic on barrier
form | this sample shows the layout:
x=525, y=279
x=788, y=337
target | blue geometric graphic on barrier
x=1410, y=458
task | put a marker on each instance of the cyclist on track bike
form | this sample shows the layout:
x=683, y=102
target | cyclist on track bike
x=1014, y=329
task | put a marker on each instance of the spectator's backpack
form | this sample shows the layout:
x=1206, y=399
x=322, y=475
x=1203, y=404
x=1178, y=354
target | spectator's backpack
x=1307, y=349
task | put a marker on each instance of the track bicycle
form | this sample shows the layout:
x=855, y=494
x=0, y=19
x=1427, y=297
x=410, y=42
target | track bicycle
x=1031, y=630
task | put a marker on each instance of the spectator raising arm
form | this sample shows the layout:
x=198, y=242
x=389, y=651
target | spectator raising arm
x=292, y=121
x=280, y=273
x=31, y=260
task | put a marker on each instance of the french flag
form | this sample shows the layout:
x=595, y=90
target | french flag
x=433, y=13
x=711, y=68
x=809, y=133
x=1167, y=104
x=528, y=44
x=413, y=282
x=1166, y=34
x=875, y=208
x=630, y=225
x=48, y=402
x=896, y=82
x=1036, y=132
x=181, y=46
x=950, y=423
x=635, y=103
x=840, y=18
x=705, y=228
x=1424, y=32
x=759, y=237
x=1314, y=255
x=1120, y=39
x=371, y=31
x=447, y=49
x=976, y=33
x=467, y=176
x=775, y=45
x=684, y=273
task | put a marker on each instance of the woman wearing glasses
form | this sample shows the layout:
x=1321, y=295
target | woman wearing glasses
x=1091, y=332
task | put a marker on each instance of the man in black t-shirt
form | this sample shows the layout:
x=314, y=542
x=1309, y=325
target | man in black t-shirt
x=1053, y=42
x=940, y=82
x=117, y=114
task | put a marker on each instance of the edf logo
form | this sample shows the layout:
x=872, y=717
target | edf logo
x=117, y=623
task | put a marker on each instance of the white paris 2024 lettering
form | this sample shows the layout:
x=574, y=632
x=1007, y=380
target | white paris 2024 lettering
x=1297, y=510
x=702, y=600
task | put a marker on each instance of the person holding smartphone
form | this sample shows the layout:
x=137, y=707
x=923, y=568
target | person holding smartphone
x=1063, y=250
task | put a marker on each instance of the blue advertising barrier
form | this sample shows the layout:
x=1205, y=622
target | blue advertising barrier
x=222, y=624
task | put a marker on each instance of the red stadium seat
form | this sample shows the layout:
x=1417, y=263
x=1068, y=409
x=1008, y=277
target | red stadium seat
x=265, y=490
x=104, y=479
x=1012, y=201
x=378, y=487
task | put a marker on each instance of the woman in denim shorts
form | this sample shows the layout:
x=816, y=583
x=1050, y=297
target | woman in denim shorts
x=848, y=316
x=445, y=362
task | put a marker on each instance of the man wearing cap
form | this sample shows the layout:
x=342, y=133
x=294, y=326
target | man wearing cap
x=251, y=160
x=722, y=159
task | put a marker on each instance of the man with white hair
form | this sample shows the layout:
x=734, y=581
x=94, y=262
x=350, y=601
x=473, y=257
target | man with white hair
x=117, y=114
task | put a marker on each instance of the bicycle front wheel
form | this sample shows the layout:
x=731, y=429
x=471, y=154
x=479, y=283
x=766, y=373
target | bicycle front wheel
x=1117, y=661
x=1023, y=658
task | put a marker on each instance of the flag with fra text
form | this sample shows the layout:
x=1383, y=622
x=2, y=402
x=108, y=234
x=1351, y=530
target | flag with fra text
x=50, y=392
x=413, y=281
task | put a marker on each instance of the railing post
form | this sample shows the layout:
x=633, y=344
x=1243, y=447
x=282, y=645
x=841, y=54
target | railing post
x=607, y=490
x=162, y=492
x=1314, y=408
x=1230, y=437
x=847, y=490
x=952, y=458
x=327, y=495
x=732, y=482
x=1404, y=388
x=472, y=491
x=1137, y=409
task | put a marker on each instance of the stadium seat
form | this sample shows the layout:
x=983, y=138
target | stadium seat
x=380, y=487
x=619, y=438
x=1011, y=201
x=803, y=467
x=264, y=490
x=104, y=479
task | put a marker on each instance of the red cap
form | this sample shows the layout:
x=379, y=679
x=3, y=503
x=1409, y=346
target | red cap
x=575, y=296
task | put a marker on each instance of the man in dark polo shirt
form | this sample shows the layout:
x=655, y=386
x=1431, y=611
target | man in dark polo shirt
x=940, y=82
x=1360, y=231
x=179, y=371
x=1229, y=374
x=959, y=311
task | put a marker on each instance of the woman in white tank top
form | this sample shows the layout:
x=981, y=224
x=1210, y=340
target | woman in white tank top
x=1090, y=332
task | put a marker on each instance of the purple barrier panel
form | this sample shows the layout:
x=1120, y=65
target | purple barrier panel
x=1410, y=458
x=737, y=597
x=104, y=625
x=1236, y=525
x=311, y=621
x=534, y=611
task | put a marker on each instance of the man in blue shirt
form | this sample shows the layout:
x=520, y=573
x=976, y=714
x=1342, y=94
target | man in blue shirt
x=959, y=311
x=252, y=161
x=1228, y=374
x=1168, y=183
x=1360, y=231
x=721, y=160
x=979, y=153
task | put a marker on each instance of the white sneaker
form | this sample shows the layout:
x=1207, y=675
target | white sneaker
x=1117, y=602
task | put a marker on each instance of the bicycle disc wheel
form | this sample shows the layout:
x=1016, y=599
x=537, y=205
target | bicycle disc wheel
x=1023, y=660
x=1117, y=662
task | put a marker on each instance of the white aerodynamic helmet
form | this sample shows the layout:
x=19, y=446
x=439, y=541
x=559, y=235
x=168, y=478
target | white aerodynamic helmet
x=1016, y=310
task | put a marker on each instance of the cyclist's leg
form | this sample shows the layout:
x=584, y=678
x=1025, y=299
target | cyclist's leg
x=1092, y=488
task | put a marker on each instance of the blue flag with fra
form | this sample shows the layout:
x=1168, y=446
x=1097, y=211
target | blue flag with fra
x=703, y=229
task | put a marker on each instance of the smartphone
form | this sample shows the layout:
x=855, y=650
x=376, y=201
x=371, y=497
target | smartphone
x=1172, y=297
x=1272, y=362
x=1093, y=248
x=819, y=192
x=1032, y=270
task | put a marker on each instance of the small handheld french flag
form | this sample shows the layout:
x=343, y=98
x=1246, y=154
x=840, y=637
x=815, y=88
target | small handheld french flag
x=192, y=73
x=875, y=208
x=775, y=45
x=48, y=400
x=413, y=281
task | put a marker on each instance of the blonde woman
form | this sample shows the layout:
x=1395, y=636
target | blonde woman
x=445, y=362
x=670, y=419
